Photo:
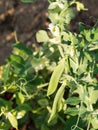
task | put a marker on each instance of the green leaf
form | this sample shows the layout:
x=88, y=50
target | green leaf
x=87, y=78
x=43, y=102
x=38, y=63
x=81, y=91
x=66, y=16
x=57, y=102
x=16, y=58
x=72, y=122
x=4, y=126
x=83, y=63
x=72, y=101
x=92, y=129
x=23, y=48
x=44, y=127
x=22, y=110
x=5, y=74
x=5, y=104
x=12, y=119
x=54, y=17
x=82, y=27
x=74, y=63
x=55, y=77
x=21, y=114
x=72, y=111
x=53, y=5
x=94, y=123
x=93, y=95
x=25, y=107
x=42, y=36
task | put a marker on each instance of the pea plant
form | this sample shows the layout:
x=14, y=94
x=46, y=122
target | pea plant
x=74, y=80
x=55, y=86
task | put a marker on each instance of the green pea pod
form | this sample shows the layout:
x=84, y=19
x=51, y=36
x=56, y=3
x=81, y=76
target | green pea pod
x=55, y=77
x=57, y=102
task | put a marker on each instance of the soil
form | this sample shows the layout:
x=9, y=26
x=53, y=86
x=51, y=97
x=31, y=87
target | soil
x=20, y=18
x=88, y=17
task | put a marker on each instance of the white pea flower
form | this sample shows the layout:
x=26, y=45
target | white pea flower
x=54, y=30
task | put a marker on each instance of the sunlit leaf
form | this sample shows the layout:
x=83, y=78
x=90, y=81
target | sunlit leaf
x=12, y=119
x=42, y=36
x=5, y=74
x=93, y=95
x=23, y=48
x=94, y=122
x=21, y=114
x=74, y=63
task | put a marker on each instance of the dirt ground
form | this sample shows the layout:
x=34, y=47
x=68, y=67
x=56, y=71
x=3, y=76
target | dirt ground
x=27, y=19
x=24, y=19
x=88, y=17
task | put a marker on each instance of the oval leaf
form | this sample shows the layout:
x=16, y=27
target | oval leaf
x=55, y=77
x=42, y=36
x=73, y=101
x=12, y=119
x=94, y=123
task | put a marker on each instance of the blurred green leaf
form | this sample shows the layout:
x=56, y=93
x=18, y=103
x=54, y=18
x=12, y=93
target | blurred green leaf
x=94, y=123
x=43, y=102
x=72, y=122
x=23, y=48
x=12, y=119
x=4, y=126
x=16, y=58
x=21, y=114
x=72, y=111
x=72, y=100
x=42, y=36
x=6, y=71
